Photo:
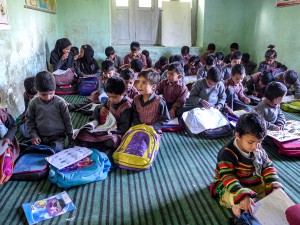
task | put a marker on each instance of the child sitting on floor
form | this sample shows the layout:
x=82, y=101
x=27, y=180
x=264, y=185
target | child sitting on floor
x=149, y=108
x=210, y=61
x=244, y=170
x=135, y=54
x=235, y=58
x=161, y=65
x=148, y=58
x=48, y=118
x=291, y=80
x=120, y=107
x=111, y=54
x=269, y=107
x=236, y=98
x=30, y=93
x=129, y=78
x=108, y=70
x=192, y=67
x=210, y=91
x=173, y=90
x=257, y=83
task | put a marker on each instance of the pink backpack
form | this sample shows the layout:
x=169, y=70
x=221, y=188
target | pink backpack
x=289, y=148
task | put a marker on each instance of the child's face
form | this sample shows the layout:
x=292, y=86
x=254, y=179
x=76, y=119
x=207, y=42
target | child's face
x=248, y=142
x=111, y=56
x=237, y=78
x=269, y=60
x=210, y=83
x=67, y=49
x=173, y=76
x=81, y=54
x=235, y=61
x=115, y=98
x=108, y=74
x=46, y=96
x=135, y=53
x=76, y=57
x=277, y=100
x=128, y=84
x=144, y=86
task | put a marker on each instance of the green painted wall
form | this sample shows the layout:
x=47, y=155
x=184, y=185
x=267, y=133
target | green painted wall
x=24, y=47
x=272, y=25
x=85, y=22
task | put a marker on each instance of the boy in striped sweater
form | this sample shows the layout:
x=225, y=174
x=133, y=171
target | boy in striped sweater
x=244, y=170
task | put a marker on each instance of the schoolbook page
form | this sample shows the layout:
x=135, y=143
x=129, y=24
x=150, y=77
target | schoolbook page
x=291, y=131
x=271, y=209
x=68, y=156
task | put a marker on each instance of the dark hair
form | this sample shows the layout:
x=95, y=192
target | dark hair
x=107, y=65
x=74, y=50
x=185, y=50
x=275, y=90
x=136, y=65
x=29, y=85
x=109, y=51
x=210, y=60
x=211, y=46
x=177, y=58
x=163, y=60
x=238, y=69
x=236, y=55
x=177, y=67
x=146, y=53
x=194, y=59
x=234, y=46
x=291, y=77
x=151, y=75
x=253, y=124
x=135, y=46
x=219, y=55
x=245, y=57
x=214, y=74
x=115, y=85
x=127, y=74
x=44, y=82
x=266, y=77
x=271, y=52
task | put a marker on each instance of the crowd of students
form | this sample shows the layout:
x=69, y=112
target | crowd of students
x=141, y=93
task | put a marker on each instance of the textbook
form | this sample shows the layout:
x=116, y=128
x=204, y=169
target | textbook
x=291, y=131
x=173, y=122
x=48, y=208
x=93, y=126
x=68, y=156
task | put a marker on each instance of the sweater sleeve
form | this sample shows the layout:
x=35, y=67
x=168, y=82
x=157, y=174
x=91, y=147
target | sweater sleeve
x=280, y=118
x=195, y=92
x=66, y=118
x=30, y=120
x=11, y=126
x=181, y=99
x=164, y=116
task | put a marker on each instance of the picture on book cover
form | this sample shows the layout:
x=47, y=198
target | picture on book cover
x=48, y=208
x=86, y=162
x=291, y=131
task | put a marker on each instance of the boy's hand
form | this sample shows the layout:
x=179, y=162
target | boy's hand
x=278, y=128
x=246, y=204
x=36, y=141
x=247, y=101
x=205, y=104
x=172, y=114
x=104, y=111
x=6, y=140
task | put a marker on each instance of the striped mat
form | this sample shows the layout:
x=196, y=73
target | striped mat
x=174, y=191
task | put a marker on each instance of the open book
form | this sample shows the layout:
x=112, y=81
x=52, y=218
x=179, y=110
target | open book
x=173, y=122
x=93, y=126
x=291, y=131
x=68, y=156
x=48, y=208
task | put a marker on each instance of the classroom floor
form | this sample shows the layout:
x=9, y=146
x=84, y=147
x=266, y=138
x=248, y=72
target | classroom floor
x=174, y=191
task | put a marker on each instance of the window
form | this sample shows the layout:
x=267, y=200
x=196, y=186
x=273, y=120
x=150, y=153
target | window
x=140, y=20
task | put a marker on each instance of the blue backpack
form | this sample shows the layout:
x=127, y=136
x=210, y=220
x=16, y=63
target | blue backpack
x=87, y=85
x=31, y=164
x=90, y=169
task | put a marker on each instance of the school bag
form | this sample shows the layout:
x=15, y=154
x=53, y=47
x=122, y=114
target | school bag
x=70, y=89
x=138, y=149
x=289, y=148
x=87, y=85
x=64, y=77
x=207, y=123
x=31, y=164
x=293, y=106
x=90, y=169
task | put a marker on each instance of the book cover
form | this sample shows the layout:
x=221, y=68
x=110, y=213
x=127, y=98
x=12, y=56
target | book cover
x=68, y=156
x=291, y=131
x=48, y=208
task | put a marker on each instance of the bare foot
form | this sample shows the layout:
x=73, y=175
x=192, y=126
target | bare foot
x=236, y=211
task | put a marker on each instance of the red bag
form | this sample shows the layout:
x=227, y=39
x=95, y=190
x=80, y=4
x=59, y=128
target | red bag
x=289, y=148
x=66, y=78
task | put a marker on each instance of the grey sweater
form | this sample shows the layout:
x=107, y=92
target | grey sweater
x=200, y=91
x=273, y=115
x=48, y=119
